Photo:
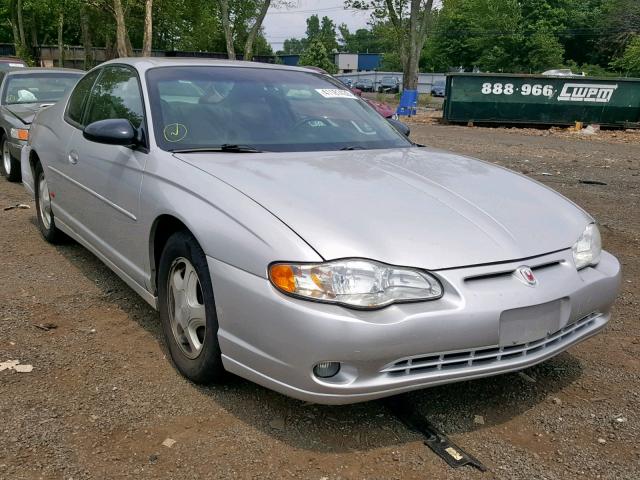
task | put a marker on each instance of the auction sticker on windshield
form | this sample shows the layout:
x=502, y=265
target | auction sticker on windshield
x=335, y=93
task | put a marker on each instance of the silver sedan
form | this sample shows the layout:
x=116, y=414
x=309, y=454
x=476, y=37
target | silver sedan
x=289, y=234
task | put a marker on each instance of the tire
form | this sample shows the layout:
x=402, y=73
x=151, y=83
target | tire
x=183, y=301
x=46, y=219
x=10, y=167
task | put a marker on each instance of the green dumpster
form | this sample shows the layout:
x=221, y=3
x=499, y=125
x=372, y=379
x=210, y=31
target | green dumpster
x=542, y=100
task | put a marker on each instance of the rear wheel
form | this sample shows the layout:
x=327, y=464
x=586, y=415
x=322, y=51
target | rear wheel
x=187, y=309
x=46, y=220
x=10, y=166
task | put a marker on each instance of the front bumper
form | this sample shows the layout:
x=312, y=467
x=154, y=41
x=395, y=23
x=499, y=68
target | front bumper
x=486, y=323
x=15, y=147
x=25, y=169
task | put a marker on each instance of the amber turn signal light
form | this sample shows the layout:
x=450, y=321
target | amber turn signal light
x=282, y=277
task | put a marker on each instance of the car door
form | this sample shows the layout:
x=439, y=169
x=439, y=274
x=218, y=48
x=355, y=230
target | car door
x=109, y=177
x=66, y=193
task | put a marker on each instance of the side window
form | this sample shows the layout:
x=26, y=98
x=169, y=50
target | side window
x=116, y=94
x=78, y=97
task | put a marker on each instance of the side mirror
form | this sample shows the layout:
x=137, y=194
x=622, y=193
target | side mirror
x=115, y=131
x=403, y=128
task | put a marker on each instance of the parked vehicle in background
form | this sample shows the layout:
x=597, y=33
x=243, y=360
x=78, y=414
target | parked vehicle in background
x=7, y=63
x=24, y=91
x=347, y=81
x=290, y=235
x=389, y=84
x=438, y=89
x=384, y=109
x=365, y=84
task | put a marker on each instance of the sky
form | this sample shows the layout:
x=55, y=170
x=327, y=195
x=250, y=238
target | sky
x=282, y=23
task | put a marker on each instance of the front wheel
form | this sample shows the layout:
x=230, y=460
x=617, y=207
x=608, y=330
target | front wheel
x=10, y=166
x=46, y=220
x=187, y=309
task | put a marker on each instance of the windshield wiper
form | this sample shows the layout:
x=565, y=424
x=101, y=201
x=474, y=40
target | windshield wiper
x=225, y=147
x=353, y=147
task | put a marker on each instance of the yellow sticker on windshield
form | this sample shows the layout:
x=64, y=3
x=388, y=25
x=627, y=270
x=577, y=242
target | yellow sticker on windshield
x=174, y=132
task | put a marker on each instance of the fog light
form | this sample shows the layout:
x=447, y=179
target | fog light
x=326, y=369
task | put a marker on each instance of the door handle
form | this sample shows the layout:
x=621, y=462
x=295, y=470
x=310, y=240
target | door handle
x=73, y=157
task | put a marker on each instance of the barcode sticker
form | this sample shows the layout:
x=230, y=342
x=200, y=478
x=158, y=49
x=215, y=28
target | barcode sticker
x=335, y=93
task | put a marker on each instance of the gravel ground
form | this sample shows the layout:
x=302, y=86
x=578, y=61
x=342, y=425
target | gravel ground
x=103, y=397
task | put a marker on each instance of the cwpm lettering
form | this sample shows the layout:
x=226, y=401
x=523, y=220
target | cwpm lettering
x=578, y=92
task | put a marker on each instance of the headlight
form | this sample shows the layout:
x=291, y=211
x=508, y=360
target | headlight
x=586, y=251
x=355, y=283
x=20, y=133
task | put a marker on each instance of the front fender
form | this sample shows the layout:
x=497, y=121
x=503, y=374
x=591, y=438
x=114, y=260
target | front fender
x=229, y=226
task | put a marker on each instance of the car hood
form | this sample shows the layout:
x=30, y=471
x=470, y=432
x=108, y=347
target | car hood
x=25, y=112
x=414, y=207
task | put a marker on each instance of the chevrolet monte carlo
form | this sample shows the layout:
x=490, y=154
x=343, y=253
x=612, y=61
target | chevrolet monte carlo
x=290, y=235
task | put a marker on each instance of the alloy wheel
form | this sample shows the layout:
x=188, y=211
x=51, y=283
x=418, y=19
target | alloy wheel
x=186, y=307
x=6, y=157
x=44, y=204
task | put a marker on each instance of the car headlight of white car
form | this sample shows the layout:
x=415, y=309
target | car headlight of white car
x=587, y=250
x=355, y=283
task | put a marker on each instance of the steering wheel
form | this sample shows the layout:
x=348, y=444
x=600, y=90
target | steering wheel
x=305, y=121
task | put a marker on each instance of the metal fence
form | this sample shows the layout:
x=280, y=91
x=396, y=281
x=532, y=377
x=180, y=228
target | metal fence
x=425, y=80
x=74, y=56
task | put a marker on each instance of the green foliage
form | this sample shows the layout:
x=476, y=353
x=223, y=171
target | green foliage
x=294, y=46
x=323, y=30
x=530, y=36
x=361, y=41
x=544, y=51
x=315, y=55
x=629, y=62
x=178, y=24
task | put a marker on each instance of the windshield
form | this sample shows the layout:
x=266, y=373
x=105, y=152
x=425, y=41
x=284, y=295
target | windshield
x=38, y=87
x=264, y=109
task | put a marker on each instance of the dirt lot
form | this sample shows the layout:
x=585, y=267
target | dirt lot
x=102, y=396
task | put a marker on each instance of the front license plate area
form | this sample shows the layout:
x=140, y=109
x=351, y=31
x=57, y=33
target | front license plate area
x=528, y=324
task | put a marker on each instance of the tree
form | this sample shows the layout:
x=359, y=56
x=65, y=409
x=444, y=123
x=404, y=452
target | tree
x=629, y=62
x=328, y=34
x=257, y=25
x=294, y=46
x=242, y=16
x=408, y=22
x=315, y=55
x=148, y=28
x=361, y=41
x=544, y=51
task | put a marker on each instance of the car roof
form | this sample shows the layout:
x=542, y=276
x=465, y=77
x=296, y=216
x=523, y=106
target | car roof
x=146, y=63
x=12, y=59
x=24, y=71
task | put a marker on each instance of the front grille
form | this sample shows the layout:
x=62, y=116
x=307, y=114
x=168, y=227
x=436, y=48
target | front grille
x=437, y=362
x=508, y=273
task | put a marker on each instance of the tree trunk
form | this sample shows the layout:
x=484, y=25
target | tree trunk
x=413, y=41
x=86, y=37
x=253, y=33
x=13, y=8
x=122, y=44
x=226, y=26
x=23, y=39
x=148, y=28
x=60, y=40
